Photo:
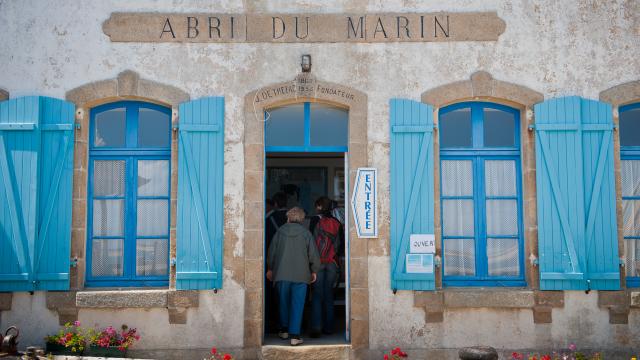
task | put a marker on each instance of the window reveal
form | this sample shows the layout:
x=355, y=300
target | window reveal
x=630, y=173
x=129, y=187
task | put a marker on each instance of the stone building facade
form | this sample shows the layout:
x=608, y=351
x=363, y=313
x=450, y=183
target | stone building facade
x=511, y=53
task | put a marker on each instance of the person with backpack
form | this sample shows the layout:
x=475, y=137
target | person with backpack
x=326, y=232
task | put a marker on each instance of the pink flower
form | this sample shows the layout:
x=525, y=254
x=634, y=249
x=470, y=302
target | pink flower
x=76, y=323
x=572, y=347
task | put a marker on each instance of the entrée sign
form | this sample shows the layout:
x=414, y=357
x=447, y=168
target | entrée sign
x=289, y=28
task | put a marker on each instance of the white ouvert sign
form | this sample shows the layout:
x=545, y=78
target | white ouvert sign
x=364, y=203
x=422, y=244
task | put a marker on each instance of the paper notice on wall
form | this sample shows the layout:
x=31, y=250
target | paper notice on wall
x=419, y=263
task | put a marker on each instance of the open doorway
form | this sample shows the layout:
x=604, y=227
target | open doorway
x=304, y=178
x=306, y=146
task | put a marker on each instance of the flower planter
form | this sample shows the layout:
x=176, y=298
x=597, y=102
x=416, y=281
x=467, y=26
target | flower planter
x=58, y=349
x=111, y=351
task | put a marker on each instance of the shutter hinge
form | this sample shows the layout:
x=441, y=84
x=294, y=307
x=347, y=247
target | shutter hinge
x=78, y=126
x=173, y=261
x=435, y=127
x=175, y=127
x=615, y=127
x=531, y=127
x=437, y=261
x=622, y=262
x=534, y=260
x=74, y=262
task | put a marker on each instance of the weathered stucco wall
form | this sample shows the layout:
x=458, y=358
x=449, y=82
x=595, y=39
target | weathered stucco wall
x=556, y=48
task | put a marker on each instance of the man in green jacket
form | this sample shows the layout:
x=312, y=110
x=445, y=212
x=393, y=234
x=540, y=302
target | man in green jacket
x=292, y=264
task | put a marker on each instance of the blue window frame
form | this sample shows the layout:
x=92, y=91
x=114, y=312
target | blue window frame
x=480, y=195
x=129, y=195
x=306, y=127
x=630, y=173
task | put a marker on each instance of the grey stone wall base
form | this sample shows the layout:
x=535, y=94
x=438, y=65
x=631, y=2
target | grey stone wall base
x=187, y=354
x=122, y=299
x=540, y=302
x=5, y=301
x=64, y=303
x=309, y=352
x=68, y=303
x=618, y=303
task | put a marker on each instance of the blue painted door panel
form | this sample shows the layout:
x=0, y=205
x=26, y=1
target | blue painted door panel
x=200, y=194
x=577, y=233
x=36, y=168
x=412, y=203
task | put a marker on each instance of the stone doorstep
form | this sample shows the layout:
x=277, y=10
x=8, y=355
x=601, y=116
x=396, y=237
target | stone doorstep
x=307, y=352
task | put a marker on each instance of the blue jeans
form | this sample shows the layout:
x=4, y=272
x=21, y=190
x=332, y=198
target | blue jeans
x=291, y=297
x=322, y=299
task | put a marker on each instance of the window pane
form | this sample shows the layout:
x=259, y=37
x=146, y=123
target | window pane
x=457, y=178
x=153, y=178
x=502, y=256
x=630, y=127
x=153, y=217
x=154, y=128
x=630, y=177
x=108, y=177
x=502, y=217
x=110, y=128
x=285, y=126
x=499, y=128
x=500, y=177
x=107, y=257
x=455, y=128
x=631, y=217
x=459, y=257
x=152, y=256
x=457, y=217
x=328, y=126
x=632, y=250
x=108, y=217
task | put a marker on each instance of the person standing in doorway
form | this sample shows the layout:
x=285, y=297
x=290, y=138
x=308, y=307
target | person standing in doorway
x=292, y=263
x=275, y=217
x=326, y=232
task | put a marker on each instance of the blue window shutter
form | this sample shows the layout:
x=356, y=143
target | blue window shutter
x=577, y=235
x=412, y=204
x=36, y=168
x=200, y=194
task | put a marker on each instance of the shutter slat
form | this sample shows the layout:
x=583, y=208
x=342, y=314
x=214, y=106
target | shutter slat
x=200, y=194
x=53, y=243
x=412, y=202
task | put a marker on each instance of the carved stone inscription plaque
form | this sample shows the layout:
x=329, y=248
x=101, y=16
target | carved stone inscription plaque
x=305, y=28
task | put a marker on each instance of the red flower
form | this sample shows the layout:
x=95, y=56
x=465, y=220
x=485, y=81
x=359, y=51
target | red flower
x=226, y=357
x=386, y=357
x=214, y=350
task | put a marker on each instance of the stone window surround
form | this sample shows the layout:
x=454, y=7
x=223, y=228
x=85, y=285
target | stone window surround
x=619, y=302
x=254, y=204
x=483, y=87
x=127, y=86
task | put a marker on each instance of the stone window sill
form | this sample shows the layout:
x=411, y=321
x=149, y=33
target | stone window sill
x=136, y=298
